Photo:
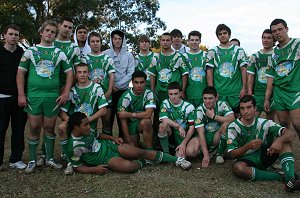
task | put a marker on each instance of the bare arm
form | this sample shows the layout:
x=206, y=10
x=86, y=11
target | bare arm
x=184, y=83
x=110, y=85
x=20, y=78
x=152, y=82
x=269, y=92
x=210, y=77
x=63, y=115
x=101, y=169
x=250, y=82
x=125, y=129
x=69, y=82
x=239, y=152
x=244, y=81
x=98, y=114
x=286, y=138
x=203, y=145
x=147, y=114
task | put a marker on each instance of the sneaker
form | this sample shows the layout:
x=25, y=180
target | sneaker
x=41, y=161
x=183, y=163
x=69, y=170
x=292, y=185
x=31, y=167
x=219, y=159
x=18, y=165
x=54, y=164
x=63, y=157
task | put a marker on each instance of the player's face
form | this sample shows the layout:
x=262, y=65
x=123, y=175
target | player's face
x=194, y=42
x=223, y=36
x=48, y=34
x=81, y=35
x=247, y=111
x=12, y=36
x=209, y=100
x=65, y=29
x=165, y=41
x=117, y=41
x=176, y=40
x=139, y=84
x=82, y=74
x=267, y=40
x=144, y=45
x=95, y=44
x=234, y=43
x=85, y=127
x=174, y=96
x=279, y=32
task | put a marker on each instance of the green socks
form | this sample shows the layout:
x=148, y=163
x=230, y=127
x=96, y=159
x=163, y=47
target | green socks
x=164, y=157
x=64, y=147
x=261, y=175
x=49, y=145
x=287, y=163
x=222, y=145
x=32, y=145
x=164, y=142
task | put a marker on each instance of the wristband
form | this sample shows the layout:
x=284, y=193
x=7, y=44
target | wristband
x=214, y=117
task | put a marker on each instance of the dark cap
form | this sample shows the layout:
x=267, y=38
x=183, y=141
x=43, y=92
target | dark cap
x=118, y=32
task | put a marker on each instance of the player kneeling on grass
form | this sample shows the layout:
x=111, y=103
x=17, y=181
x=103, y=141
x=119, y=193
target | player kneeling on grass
x=211, y=120
x=176, y=116
x=256, y=143
x=92, y=152
x=135, y=110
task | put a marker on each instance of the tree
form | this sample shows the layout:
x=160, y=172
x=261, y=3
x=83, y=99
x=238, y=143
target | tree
x=99, y=15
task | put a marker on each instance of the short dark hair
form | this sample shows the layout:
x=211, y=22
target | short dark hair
x=144, y=38
x=166, y=34
x=174, y=85
x=82, y=65
x=96, y=34
x=80, y=26
x=278, y=21
x=210, y=90
x=66, y=19
x=11, y=26
x=248, y=98
x=194, y=33
x=138, y=74
x=221, y=27
x=266, y=31
x=75, y=119
x=237, y=40
x=117, y=32
x=176, y=32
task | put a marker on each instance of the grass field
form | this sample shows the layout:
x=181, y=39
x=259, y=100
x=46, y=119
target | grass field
x=164, y=180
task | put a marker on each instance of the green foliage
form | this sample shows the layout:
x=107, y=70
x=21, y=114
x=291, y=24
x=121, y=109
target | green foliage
x=99, y=15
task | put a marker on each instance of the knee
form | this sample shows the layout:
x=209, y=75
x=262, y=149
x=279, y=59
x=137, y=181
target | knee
x=62, y=129
x=49, y=130
x=146, y=124
x=297, y=128
x=240, y=170
x=191, y=152
x=162, y=128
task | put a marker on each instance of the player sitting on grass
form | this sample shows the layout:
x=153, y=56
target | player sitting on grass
x=211, y=120
x=92, y=152
x=256, y=143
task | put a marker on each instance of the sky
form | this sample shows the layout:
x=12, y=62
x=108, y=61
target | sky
x=246, y=19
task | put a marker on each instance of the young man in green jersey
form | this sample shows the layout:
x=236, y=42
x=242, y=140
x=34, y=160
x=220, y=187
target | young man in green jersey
x=86, y=97
x=227, y=69
x=211, y=120
x=145, y=58
x=195, y=62
x=283, y=76
x=257, y=80
x=92, y=152
x=102, y=71
x=256, y=143
x=177, y=44
x=43, y=63
x=135, y=110
x=177, y=118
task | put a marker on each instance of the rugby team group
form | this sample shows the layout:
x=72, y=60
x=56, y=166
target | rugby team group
x=185, y=102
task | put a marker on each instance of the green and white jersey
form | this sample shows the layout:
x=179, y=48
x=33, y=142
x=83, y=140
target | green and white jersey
x=44, y=65
x=133, y=103
x=87, y=150
x=100, y=67
x=87, y=100
x=71, y=50
x=169, y=69
x=143, y=63
x=258, y=66
x=284, y=66
x=210, y=125
x=239, y=134
x=182, y=113
x=226, y=63
x=197, y=74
